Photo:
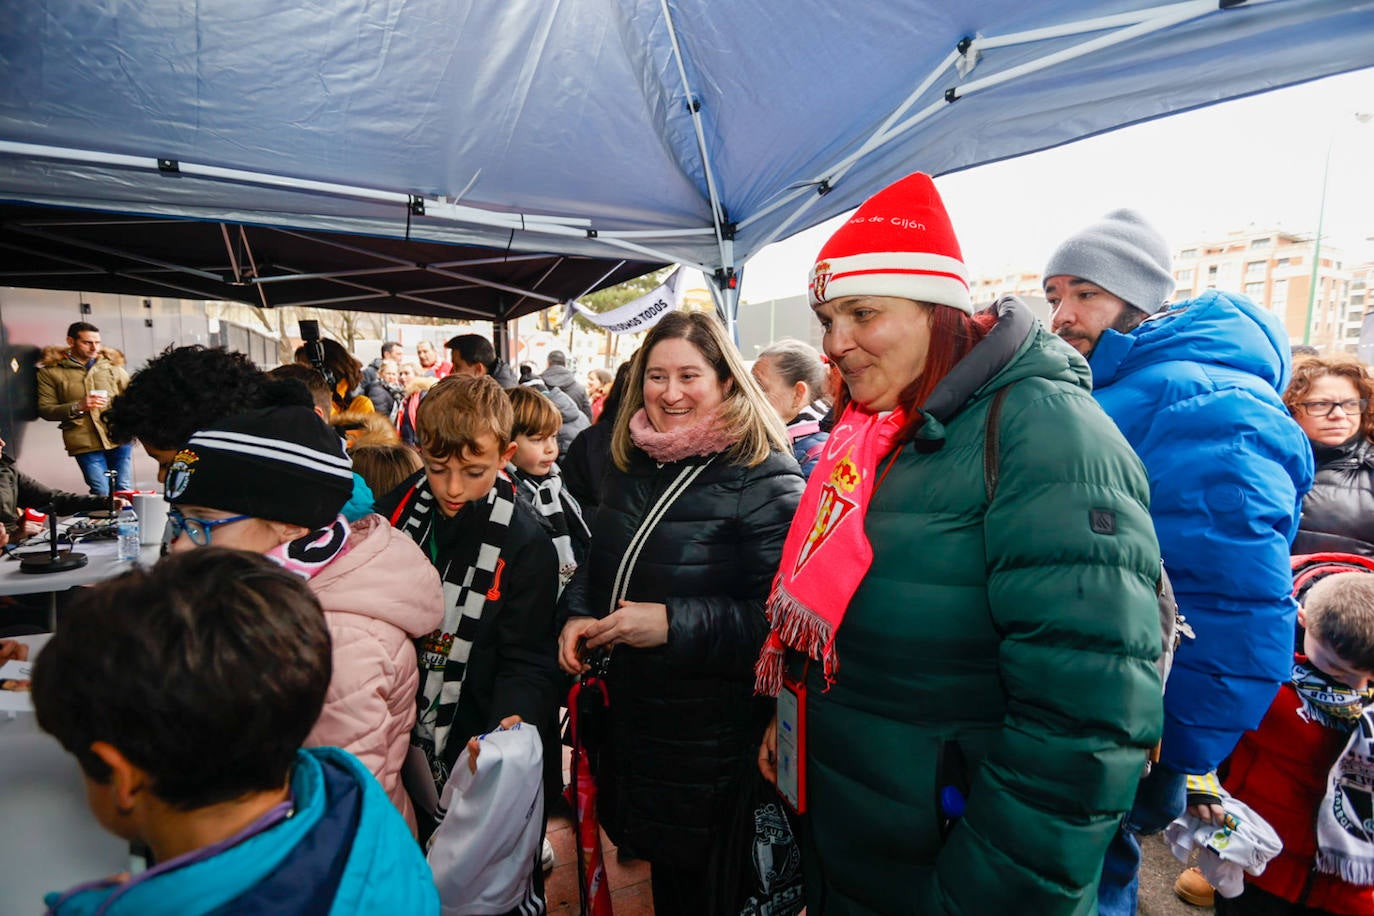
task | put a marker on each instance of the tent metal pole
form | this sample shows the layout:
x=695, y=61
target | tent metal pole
x=1129, y=26
x=428, y=268
x=602, y=279
x=561, y=226
x=105, y=249
x=694, y=106
x=875, y=140
x=101, y=271
x=1189, y=11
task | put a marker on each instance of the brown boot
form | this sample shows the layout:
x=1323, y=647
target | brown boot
x=1192, y=887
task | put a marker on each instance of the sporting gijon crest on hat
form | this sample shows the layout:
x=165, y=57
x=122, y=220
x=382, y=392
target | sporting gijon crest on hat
x=820, y=279
x=899, y=243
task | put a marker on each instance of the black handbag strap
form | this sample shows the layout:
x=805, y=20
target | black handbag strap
x=992, y=442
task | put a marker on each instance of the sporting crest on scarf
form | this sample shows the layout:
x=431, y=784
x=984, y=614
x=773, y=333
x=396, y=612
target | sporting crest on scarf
x=835, y=505
x=809, y=598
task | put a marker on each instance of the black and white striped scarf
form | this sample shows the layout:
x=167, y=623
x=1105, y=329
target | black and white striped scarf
x=561, y=515
x=470, y=581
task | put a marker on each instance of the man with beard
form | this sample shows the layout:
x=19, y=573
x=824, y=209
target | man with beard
x=1196, y=388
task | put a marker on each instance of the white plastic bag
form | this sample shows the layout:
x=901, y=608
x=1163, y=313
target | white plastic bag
x=486, y=849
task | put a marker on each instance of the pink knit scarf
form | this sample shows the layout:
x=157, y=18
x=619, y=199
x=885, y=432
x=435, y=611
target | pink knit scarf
x=826, y=554
x=704, y=437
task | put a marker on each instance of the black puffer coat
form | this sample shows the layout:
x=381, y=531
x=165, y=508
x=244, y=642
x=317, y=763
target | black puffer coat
x=683, y=715
x=1338, y=512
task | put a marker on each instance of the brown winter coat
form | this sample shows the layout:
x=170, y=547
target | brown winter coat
x=61, y=390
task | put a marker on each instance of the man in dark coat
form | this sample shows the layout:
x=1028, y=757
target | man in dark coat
x=473, y=354
x=557, y=375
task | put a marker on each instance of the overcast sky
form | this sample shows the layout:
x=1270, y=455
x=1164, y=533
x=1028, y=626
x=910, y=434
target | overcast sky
x=1253, y=161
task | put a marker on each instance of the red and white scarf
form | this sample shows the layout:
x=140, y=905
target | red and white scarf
x=826, y=554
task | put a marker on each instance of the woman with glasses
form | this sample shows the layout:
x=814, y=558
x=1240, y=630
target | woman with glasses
x=274, y=482
x=1329, y=397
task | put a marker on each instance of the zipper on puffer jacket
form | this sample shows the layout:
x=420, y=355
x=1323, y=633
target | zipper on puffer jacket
x=660, y=508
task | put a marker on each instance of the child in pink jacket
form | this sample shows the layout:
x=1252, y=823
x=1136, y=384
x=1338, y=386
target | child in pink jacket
x=273, y=482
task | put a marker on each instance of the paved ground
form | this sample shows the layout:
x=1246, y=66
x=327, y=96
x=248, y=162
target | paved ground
x=630, y=894
x=1158, y=869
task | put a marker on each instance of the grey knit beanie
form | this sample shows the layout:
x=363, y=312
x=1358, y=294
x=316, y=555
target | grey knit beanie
x=1124, y=255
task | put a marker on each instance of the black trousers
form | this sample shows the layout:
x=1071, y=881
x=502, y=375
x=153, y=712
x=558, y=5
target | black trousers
x=679, y=891
x=1255, y=902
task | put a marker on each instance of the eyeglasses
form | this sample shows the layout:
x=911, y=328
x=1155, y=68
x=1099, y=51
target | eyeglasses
x=197, y=529
x=1327, y=408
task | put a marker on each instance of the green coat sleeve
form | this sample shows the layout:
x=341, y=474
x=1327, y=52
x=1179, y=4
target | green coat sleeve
x=1072, y=560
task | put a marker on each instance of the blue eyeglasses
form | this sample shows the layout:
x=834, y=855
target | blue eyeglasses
x=197, y=529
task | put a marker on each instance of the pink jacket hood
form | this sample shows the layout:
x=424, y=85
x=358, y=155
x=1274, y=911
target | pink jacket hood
x=377, y=597
x=383, y=575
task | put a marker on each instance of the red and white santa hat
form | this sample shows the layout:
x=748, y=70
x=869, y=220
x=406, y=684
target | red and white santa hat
x=899, y=243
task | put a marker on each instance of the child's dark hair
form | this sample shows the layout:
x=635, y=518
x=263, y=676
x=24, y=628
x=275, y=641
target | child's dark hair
x=460, y=410
x=1339, y=610
x=206, y=671
x=535, y=414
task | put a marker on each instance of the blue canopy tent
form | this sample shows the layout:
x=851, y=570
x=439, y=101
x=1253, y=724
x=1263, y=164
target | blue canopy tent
x=645, y=130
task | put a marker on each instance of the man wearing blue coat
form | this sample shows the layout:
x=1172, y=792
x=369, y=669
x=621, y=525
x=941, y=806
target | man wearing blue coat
x=1196, y=389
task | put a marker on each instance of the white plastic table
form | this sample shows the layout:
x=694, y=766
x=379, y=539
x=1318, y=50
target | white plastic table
x=49, y=840
x=102, y=562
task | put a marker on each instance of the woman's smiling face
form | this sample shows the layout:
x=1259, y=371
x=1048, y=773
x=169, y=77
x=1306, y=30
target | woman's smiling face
x=879, y=343
x=680, y=386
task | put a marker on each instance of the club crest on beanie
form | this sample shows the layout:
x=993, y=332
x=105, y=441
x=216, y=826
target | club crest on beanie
x=1123, y=254
x=282, y=464
x=900, y=242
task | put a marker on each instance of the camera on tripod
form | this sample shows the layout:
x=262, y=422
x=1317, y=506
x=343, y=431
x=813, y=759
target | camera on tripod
x=314, y=350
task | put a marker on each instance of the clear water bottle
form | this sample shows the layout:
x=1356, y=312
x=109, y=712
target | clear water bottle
x=128, y=534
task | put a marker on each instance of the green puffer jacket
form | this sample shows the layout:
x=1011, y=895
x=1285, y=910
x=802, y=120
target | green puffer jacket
x=1010, y=642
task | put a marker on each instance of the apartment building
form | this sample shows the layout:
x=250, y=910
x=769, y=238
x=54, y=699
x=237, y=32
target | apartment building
x=1274, y=268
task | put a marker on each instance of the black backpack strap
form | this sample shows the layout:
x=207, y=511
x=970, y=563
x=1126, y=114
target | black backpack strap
x=992, y=442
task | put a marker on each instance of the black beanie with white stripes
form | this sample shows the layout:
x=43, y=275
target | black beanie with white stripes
x=282, y=464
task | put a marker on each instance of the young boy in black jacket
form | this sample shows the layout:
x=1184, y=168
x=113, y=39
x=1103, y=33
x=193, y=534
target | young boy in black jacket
x=495, y=657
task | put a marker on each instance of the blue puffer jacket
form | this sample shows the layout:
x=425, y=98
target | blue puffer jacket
x=344, y=852
x=1196, y=391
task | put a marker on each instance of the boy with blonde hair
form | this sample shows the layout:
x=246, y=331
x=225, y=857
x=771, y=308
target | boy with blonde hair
x=538, y=481
x=1307, y=768
x=494, y=657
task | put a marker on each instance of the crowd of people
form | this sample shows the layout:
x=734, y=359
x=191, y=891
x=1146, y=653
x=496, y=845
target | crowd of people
x=986, y=601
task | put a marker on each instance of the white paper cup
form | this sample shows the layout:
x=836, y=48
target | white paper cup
x=151, y=509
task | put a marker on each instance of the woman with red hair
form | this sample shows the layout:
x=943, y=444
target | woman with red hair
x=964, y=619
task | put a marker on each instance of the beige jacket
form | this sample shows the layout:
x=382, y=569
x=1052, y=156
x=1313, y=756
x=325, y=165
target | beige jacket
x=62, y=388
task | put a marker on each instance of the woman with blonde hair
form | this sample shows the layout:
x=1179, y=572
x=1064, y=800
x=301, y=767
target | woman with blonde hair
x=684, y=545
x=1329, y=396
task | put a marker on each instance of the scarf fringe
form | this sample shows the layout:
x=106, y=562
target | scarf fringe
x=796, y=625
x=1359, y=871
